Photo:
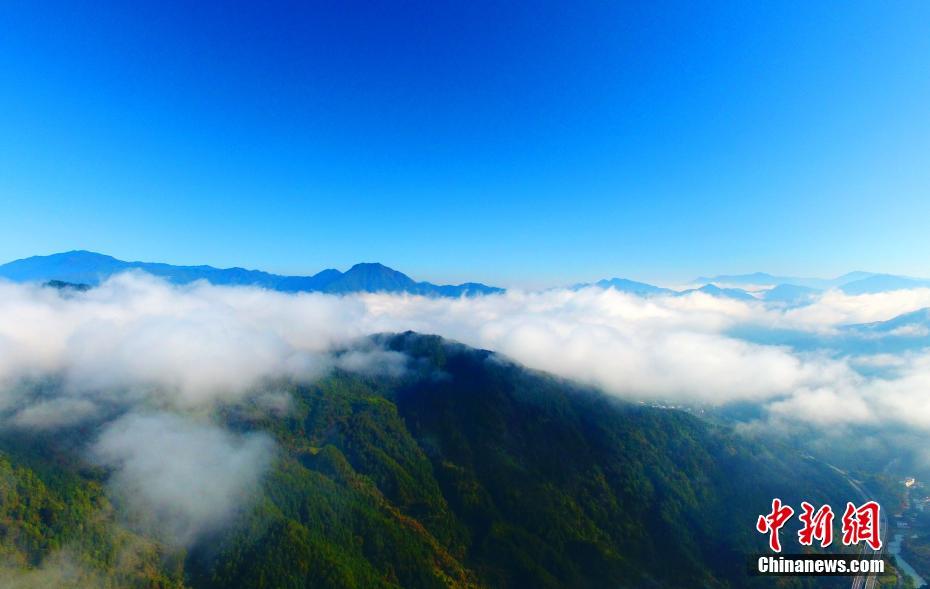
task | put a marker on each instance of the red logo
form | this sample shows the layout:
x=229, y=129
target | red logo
x=773, y=522
x=860, y=524
x=817, y=526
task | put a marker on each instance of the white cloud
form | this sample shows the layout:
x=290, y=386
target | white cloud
x=199, y=343
x=138, y=342
x=180, y=478
x=834, y=308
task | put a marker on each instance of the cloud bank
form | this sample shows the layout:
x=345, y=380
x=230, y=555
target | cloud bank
x=191, y=347
x=150, y=361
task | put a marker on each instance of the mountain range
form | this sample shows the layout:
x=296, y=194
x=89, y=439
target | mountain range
x=83, y=269
x=643, y=289
x=787, y=290
x=764, y=279
x=89, y=268
x=852, y=283
x=902, y=334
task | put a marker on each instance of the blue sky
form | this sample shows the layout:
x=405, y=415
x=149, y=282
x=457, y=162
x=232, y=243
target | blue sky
x=513, y=143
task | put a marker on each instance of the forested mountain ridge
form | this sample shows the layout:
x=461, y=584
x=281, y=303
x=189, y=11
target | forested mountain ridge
x=464, y=471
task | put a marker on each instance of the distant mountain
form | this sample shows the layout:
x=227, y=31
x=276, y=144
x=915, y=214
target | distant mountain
x=913, y=323
x=89, y=268
x=716, y=291
x=883, y=283
x=850, y=277
x=791, y=294
x=645, y=290
x=628, y=286
x=853, y=283
x=908, y=332
x=754, y=279
x=763, y=279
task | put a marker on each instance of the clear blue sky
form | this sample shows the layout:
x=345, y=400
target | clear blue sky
x=508, y=142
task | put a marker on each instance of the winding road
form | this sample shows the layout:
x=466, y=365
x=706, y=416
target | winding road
x=867, y=581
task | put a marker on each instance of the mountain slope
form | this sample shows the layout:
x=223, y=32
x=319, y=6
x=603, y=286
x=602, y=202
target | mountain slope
x=57, y=529
x=83, y=267
x=469, y=471
x=913, y=323
x=502, y=477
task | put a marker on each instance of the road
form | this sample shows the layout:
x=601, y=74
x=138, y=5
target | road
x=867, y=581
x=863, y=581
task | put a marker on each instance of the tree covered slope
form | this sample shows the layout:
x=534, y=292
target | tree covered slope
x=464, y=471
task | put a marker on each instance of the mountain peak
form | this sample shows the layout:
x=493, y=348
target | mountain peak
x=628, y=286
x=716, y=291
x=372, y=267
x=76, y=255
x=373, y=277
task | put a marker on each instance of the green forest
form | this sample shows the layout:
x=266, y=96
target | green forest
x=466, y=470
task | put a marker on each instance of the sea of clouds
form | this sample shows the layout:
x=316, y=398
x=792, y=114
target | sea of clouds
x=149, y=361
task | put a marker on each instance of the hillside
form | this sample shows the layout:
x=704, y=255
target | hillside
x=466, y=471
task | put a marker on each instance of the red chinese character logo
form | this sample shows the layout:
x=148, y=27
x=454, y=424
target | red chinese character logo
x=773, y=522
x=862, y=524
x=817, y=526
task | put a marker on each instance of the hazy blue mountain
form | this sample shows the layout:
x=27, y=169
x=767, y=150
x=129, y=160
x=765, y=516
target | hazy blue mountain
x=756, y=278
x=89, y=268
x=850, y=277
x=716, y=291
x=851, y=283
x=83, y=267
x=628, y=286
x=644, y=290
x=908, y=323
x=883, y=283
x=792, y=294
x=904, y=333
x=765, y=279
